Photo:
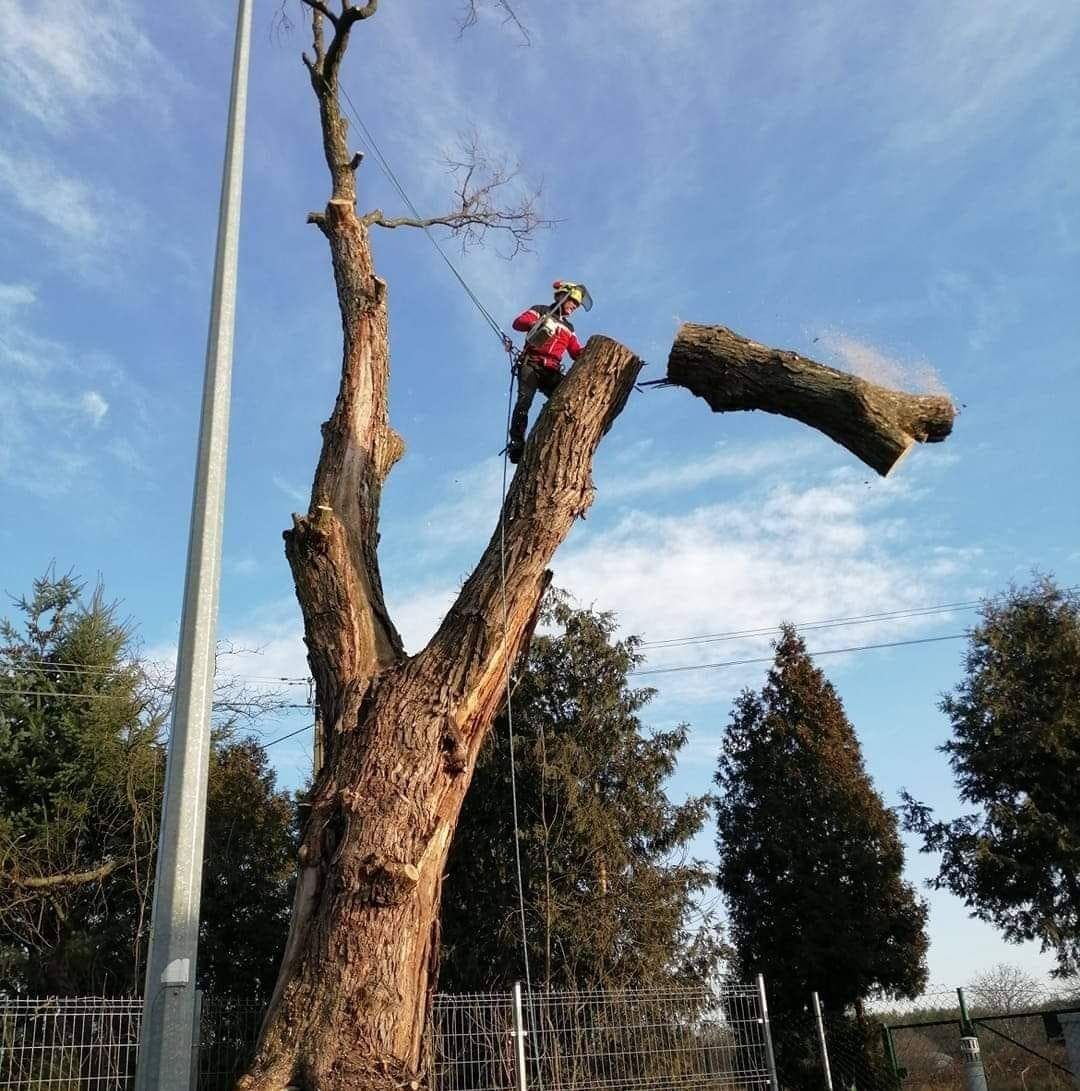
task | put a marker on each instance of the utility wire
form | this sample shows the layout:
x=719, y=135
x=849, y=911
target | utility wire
x=811, y=653
x=113, y=696
x=828, y=623
x=806, y=626
x=282, y=738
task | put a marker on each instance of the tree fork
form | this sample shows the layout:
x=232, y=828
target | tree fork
x=354, y=993
x=876, y=424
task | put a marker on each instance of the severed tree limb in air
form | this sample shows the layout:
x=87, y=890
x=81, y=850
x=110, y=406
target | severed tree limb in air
x=875, y=423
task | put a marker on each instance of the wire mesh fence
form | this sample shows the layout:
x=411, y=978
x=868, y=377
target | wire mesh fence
x=819, y=1049
x=69, y=1044
x=630, y=1040
x=678, y=1039
x=228, y=1029
x=1019, y=1051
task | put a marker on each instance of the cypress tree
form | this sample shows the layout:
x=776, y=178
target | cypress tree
x=811, y=863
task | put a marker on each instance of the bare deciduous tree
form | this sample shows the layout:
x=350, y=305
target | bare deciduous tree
x=403, y=731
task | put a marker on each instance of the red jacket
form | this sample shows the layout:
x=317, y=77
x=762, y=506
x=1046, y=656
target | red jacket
x=549, y=353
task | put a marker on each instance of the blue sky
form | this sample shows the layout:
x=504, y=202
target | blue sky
x=891, y=191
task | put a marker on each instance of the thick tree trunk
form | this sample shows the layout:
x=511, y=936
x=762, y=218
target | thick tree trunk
x=874, y=423
x=351, y=1004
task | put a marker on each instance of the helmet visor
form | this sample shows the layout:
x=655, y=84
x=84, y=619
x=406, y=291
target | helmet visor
x=577, y=292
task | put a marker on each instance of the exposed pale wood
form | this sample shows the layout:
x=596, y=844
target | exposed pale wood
x=875, y=423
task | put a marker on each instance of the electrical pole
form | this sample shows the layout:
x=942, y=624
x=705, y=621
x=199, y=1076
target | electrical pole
x=168, y=1039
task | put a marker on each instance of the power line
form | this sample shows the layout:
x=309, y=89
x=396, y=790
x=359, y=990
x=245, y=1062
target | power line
x=822, y=651
x=804, y=626
x=67, y=667
x=855, y=619
x=112, y=696
x=282, y=738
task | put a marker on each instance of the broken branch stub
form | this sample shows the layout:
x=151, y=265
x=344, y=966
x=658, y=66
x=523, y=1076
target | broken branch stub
x=875, y=423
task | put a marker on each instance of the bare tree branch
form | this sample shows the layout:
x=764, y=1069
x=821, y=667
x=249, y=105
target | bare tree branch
x=70, y=879
x=470, y=16
x=480, y=181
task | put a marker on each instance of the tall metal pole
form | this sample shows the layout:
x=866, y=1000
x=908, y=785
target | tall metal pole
x=168, y=1032
x=822, y=1042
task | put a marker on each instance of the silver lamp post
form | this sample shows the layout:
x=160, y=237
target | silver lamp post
x=168, y=1039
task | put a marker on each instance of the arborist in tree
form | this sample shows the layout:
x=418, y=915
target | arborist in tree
x=549, y=334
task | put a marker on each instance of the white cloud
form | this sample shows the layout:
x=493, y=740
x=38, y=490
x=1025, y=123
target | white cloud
x=725, y=462
x=94, y=406
x=968, y=65
x=53, y=427
x=782, y=553
x=13, y=296
x=293, y=492
x=472, y=509
x=60, y=70
x=68, y=206
x=243, y=566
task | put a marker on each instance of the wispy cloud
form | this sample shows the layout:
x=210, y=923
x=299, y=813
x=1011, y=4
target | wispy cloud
x=471, y=509
x=670, y=475
x=62, y=202
x=94, y=406
x=291, y=490
x=781, y=554
x=85, y=228
x=774, y=551
x=55, y=401
x=60, y=70
x=13, y=296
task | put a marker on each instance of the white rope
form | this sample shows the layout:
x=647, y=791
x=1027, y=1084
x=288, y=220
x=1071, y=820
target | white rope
x=509, y=698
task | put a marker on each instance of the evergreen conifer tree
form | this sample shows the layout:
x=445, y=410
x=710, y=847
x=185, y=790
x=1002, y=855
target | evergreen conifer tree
x=811, y=864
x=610, y=897
x=1014, y=752
x=82, y=768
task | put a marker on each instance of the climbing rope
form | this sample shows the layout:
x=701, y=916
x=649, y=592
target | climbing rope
x=509, y=699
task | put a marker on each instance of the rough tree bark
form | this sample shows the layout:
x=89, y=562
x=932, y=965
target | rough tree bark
x=875, y=423
x=402, y=732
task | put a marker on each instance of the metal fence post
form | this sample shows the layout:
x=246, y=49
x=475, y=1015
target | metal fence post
x=519, y=1036
x=889, y=1048
x=974, y=1073
x=821, y=1041
x=774, y=1083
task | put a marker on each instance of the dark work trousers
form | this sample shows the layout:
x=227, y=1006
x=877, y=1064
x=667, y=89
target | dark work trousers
x=531, y=378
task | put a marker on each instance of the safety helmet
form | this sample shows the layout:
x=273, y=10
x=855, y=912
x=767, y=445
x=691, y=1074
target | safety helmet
x=567, y=289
